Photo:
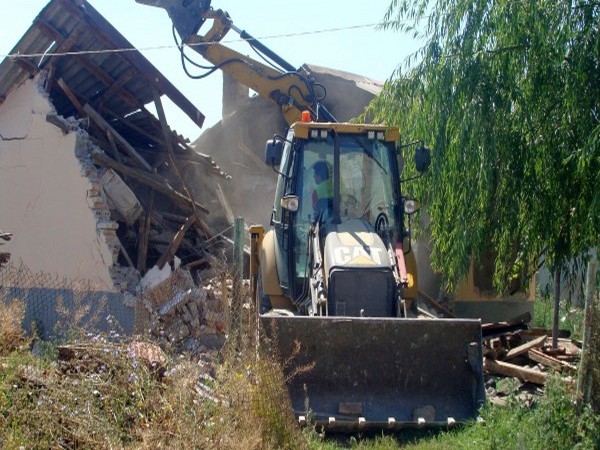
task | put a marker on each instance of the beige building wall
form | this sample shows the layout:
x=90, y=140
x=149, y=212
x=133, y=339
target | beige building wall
x=44, y=194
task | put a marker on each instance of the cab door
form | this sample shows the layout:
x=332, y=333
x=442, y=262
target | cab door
x=280, y=218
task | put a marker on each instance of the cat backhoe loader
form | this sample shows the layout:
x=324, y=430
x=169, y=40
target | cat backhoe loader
x=334, y=277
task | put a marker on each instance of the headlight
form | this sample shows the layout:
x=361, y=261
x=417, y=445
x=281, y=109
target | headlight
x=290, y=202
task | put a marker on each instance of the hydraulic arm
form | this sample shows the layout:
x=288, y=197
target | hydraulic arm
x=294, y=90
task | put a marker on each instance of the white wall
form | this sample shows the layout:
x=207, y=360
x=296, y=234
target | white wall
x=43, y=194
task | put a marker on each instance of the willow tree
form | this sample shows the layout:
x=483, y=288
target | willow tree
x=507, y=95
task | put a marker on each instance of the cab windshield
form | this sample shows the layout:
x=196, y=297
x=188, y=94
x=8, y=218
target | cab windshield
x=365, y=186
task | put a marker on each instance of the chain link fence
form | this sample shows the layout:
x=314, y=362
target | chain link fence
x=217, y=310
x=56, y=305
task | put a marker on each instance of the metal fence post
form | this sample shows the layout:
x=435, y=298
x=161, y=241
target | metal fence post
x=238, y=274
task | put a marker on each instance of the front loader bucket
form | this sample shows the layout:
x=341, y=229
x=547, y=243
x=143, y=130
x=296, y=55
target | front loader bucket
x=380, y=372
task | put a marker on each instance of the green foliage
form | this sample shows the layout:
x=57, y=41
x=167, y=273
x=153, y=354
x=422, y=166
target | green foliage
x=507, y=94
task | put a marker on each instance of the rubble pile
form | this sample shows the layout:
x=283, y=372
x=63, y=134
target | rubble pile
x=190, y=317
x=518, y=359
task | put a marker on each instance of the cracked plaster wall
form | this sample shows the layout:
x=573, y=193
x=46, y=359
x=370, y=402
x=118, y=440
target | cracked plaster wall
x=46, y=197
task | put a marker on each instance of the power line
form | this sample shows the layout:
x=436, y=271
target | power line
x=14, y=56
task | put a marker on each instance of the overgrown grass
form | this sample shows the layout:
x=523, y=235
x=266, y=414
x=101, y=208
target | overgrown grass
x=102, y=396
x=92, y=392
x=11, y=333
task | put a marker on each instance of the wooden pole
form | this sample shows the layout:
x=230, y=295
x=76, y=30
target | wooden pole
x=591, y=332
x=175, y=243
x=512, y=370
x=556, y=307
x=167, y=136
x=145, y=226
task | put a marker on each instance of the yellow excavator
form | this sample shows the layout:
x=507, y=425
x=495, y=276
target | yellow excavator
x=334, y=276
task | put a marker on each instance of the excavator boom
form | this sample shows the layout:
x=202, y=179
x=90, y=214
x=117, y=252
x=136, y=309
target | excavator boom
x=292, y=89
x=187, y=16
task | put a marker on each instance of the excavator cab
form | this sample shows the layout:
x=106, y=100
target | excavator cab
x=341, y=181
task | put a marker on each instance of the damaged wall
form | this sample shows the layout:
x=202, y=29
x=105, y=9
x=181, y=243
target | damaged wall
x=44, y=193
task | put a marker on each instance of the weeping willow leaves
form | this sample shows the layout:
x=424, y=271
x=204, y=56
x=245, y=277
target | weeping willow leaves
x=507, y=94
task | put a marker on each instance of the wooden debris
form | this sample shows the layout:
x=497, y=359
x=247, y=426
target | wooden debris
x=435, y=305
x=548, y=361
x=512, y=370
x=531, y=359
x=153, y=181
x=105, y=126
x=518, y=323
x=175, y=243
x=524, y=348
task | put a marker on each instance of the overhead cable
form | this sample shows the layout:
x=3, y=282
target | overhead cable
x=15, y=56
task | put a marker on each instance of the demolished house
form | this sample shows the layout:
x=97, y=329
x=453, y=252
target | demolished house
x=93, y=186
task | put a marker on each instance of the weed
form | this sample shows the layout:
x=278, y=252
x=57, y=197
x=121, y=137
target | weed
x=11, y=333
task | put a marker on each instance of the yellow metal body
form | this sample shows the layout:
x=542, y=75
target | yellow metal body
x=263, y=265
x=302, y=129
x=259, y=77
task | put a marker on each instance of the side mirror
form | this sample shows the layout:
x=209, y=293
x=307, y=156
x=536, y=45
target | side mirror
x=422, y=158
x=273, y=152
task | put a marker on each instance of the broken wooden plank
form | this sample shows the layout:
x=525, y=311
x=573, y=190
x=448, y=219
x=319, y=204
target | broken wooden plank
x=173, y=217
x=167, y=137
x=150, y=180
x=512, y=370
x=104, y=125
x=72, y=97
x=126, y=256
x=145, y=225
x=196, y=263
x=524, y=348
x=518, y=323
x=225, y=204
x=542, y=331
x=175, y=243
x=58, y=122
x=436, y=305
x=113, y=146
x=549, y=361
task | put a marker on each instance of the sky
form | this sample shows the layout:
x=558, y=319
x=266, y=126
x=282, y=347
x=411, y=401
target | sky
x=297, y=31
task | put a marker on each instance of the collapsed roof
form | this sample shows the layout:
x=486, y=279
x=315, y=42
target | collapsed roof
x=97, y=79
x=96, y=64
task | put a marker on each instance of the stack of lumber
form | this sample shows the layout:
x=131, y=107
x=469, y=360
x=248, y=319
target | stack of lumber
x=513, y=349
